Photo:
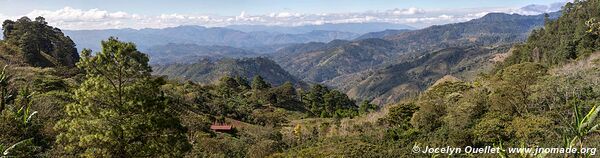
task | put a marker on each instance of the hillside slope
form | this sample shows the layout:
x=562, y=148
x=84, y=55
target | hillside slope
x=327, y=61
x=392, y=83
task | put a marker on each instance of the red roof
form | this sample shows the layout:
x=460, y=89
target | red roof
x=221, y=127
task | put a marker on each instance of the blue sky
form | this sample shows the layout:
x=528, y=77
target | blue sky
x=146, y=13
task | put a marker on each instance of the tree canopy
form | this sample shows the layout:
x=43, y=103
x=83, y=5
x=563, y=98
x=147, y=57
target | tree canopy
x=41, y=44
x=119, y=110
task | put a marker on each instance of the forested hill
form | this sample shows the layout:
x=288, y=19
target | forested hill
x=572, y=36
x=210, y=71
x=38, y=44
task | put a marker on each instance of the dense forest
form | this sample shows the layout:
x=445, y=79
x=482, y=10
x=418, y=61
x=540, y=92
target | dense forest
x=56, y=102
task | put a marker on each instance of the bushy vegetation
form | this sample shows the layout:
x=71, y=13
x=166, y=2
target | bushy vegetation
x=574, y=35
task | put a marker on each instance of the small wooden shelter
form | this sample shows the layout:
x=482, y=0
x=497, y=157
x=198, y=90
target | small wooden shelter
x=221, y=127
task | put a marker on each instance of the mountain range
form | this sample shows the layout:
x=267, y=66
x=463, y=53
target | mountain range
x=382, y=66
x=379, y=68
x=358, y=28
x=200, y=35
x=343, y=57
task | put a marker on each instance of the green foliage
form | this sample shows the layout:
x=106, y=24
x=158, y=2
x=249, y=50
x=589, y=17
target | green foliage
x=583, y=125
x=400, y=115
x=119, y=110
x=513, y=88
x=398, y=118
x=41, y=44
x=531, y=129
x=287, y=97
x=366, y=107
x=17, y=127
x=329, y=103
x=434, y=102
x=489, y=130
x=258, y=83
x=5, y=89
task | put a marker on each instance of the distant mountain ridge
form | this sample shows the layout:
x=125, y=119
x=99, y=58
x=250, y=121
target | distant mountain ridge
x=200, y=35
x=381, y=34
x=359, y=28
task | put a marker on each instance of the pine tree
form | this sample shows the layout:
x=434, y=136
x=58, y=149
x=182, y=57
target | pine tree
x=119, y=110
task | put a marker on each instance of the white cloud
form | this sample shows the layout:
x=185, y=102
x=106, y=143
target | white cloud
x=171, y=16
x=71, y=14
x=407, y=11
x=284, y=15
x=72, y=18
x=535, y=9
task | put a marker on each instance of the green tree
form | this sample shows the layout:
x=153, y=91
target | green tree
x=398, y=120
x=400, y=115
x=434, y=102
x=258, y=83
x=313, y=99
x=512, y=88
x=227, y=87
x=286, y=93
x=119, y=110
x=243, y=83
x=41, y=44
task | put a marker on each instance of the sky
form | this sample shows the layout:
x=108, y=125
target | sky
x=108, y=14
